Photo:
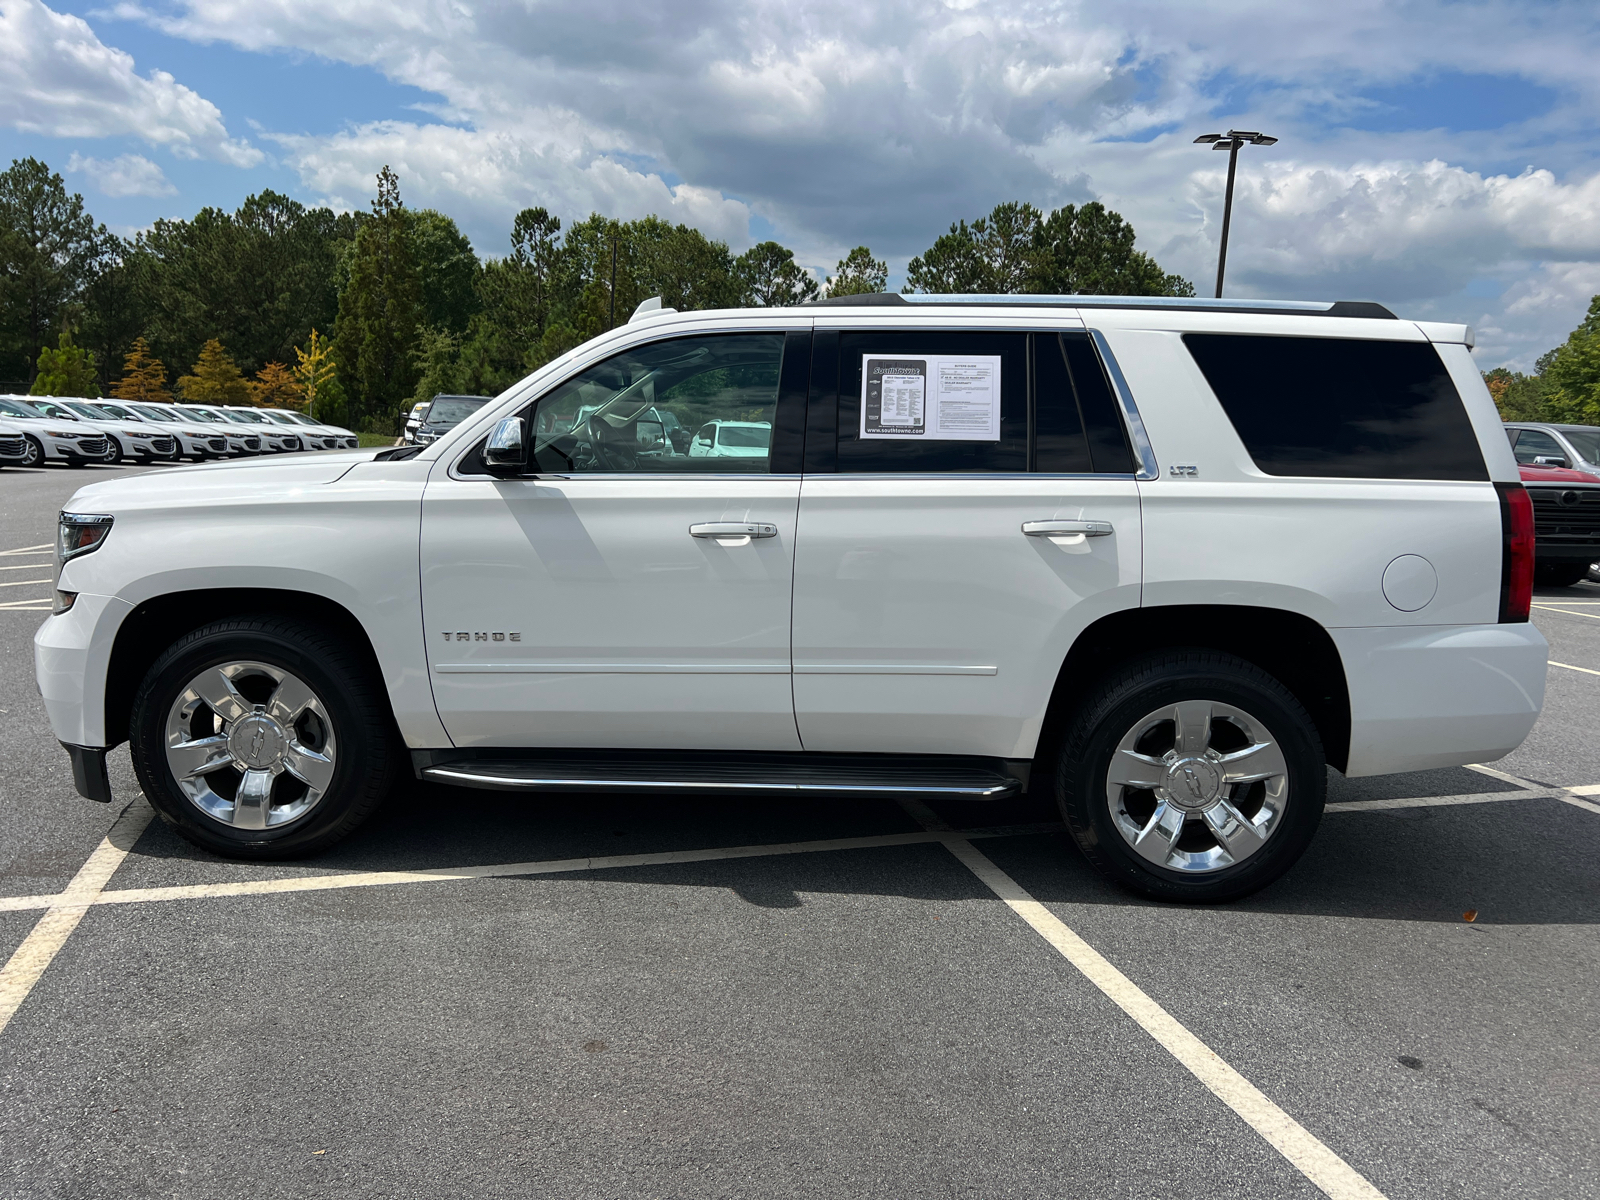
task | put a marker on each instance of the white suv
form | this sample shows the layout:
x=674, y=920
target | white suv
x=1167, y=560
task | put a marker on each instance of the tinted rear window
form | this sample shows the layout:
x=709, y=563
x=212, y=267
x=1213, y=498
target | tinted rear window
x=1341, y=407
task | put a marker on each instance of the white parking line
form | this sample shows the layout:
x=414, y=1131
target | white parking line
x=1432, y=801
x=1335, y=1177
x=40, y=605
x=1568, y=611
x=357, y=879
x=28, y=549
x=1573, y=795
x=24, y=582
x=40, y=947
x=1570, y=667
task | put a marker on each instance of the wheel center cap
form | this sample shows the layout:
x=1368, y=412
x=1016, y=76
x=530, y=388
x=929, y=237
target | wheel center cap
x=257, y=742
x=1192, y=782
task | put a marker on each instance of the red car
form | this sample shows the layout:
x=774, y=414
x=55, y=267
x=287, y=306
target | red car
x=1566, y=523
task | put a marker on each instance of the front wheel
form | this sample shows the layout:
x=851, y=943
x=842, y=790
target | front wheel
x=262, y=738
x=32, y=453
x=1192, y=776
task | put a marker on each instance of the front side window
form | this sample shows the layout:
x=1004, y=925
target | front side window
x=634, y=413
x=1536, y=443
x=1586, y=442
x=1348, y=408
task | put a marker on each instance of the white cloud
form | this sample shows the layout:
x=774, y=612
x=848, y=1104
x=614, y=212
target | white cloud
x=125, y=175
x=842, y=122
x=62, y=81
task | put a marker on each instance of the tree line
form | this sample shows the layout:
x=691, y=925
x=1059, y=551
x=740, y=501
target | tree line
x=1564, y=386
x=358, y=314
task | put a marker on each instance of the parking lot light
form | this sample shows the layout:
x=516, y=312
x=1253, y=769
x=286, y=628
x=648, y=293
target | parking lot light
x=1231, y=142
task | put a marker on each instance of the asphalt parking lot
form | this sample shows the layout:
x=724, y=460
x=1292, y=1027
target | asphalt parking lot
x=483, y=995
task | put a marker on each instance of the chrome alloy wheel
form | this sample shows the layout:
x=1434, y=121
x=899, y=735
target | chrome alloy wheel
x=1197, y=786
x=250, y=745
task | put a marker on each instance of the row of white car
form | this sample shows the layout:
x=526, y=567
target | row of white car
x=35, y=430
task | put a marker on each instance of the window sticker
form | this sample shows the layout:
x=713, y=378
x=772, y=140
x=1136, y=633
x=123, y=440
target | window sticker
x=933, y=397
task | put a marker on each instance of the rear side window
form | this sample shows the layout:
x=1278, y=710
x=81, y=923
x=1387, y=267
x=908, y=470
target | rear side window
x=935, y=401
x=1076, y=425
x=1341, y=407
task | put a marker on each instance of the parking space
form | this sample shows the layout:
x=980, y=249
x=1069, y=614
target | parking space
x=488, y=995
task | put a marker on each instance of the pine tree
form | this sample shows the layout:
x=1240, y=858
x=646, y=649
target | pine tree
x=379, y=311
x=275, y=386
x=314, y=372
x=143, y=376
x=858, y=273
x=216, y=380
x=68, y=371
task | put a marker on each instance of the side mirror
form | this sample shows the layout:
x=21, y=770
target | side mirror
x=506, y=451
x=1550, y=460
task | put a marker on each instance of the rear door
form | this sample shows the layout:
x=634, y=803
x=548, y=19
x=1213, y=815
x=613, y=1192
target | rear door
x=941, y=571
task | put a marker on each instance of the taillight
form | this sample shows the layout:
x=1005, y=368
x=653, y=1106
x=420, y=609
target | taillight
x=1516, y=555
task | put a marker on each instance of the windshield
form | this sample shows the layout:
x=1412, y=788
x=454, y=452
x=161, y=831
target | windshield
x=116, y=410
x=160, y=414
x=16, y=408
x=194, y=414
x=55, y=410
x=301, y=419
x=1585, y=441
x=744, y=435
x=277, y=418
x=89, y=410
x=247, y=418
x=452, y=410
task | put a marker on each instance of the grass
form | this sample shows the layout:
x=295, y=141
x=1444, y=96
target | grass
x=376, y=439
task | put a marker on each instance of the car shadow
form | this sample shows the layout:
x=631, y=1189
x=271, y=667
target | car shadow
x=1520, y=861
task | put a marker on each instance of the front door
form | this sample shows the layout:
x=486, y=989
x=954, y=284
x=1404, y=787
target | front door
x=967, y=533
x=628, y=593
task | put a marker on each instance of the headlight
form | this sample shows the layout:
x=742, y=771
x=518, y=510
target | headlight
x=62, y=433
x=79, y=533
x=193, y=434
x=136, y=433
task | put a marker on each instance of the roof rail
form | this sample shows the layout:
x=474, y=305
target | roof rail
x=1310, y=308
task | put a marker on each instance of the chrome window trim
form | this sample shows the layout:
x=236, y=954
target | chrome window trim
x=1148, y=468
x=614, y=476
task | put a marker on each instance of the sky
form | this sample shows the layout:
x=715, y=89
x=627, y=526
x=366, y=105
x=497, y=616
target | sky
x=1438, y=156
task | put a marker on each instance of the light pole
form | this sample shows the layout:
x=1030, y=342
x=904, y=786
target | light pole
x=1231, y=141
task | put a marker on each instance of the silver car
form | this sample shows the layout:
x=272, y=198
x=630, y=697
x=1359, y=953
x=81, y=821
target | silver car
x=1539, y=443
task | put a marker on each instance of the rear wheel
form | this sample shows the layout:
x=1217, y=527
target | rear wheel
x=1560, y=574
x=262, y=737
x=1192, y=776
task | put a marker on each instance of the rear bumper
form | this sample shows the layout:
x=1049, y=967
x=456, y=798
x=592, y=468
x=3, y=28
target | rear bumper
x=1440, y=696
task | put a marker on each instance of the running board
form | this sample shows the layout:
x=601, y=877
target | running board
x=798, y=774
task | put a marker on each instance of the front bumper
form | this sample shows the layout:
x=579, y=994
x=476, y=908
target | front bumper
x=1440, y=695
x=71, y=655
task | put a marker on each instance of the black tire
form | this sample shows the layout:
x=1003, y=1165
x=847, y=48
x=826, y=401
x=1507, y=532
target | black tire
x=366, y=767
x=1560, y=574
x=113, y=455
x=32, y=453
x=1140, y=687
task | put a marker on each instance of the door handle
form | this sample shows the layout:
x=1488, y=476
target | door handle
x=733, y=529
x=1059, y=528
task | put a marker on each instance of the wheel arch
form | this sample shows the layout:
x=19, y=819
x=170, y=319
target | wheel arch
x=155, y=623
x=1289, y=646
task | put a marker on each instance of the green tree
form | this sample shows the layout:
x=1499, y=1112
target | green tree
x=66, y=371
x=447, y=269
x=437, y=354
x=993, y=255
x=1017, y=248
x=49, y=251
x=769, y=278
x=1572, y=372
x=258, y=279
x=858, y=273
x=216, y=379
x=1518, y=397
x=379, y=313
x=1089, y=251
